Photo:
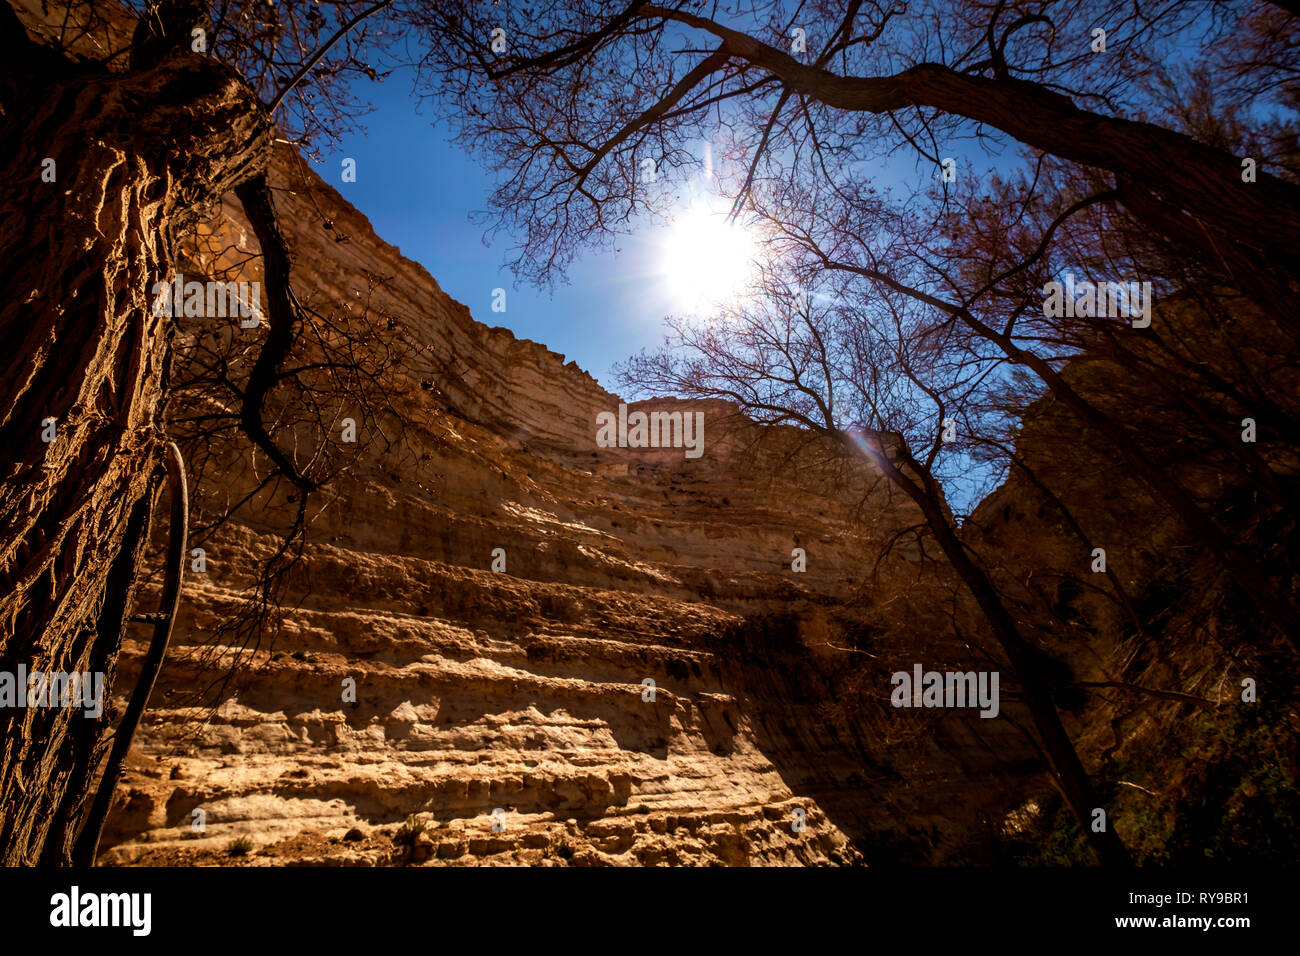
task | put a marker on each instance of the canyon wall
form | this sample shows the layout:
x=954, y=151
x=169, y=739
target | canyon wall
x=510, y=707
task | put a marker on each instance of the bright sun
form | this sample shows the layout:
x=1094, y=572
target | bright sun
x=709, y=261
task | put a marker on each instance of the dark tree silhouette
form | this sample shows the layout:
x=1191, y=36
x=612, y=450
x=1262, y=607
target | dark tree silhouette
x=570, y=101
x=575, y=98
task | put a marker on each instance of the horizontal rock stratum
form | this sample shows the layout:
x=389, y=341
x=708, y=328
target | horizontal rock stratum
x=509, y=709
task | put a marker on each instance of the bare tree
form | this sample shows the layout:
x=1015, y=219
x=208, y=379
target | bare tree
x=146, y=123
x=879, y=381
x=574, y=96
x=979, y=294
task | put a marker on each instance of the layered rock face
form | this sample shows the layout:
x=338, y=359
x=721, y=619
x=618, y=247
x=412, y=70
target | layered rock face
x=540, y=650
x=553, y=652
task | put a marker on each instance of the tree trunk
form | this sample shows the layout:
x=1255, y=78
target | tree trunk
x=1065, y=765
x=137, y=155
x=1252, y=581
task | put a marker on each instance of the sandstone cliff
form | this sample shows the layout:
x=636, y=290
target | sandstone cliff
x=522, y=691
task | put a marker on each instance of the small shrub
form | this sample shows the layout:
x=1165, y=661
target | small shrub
x=409, y=830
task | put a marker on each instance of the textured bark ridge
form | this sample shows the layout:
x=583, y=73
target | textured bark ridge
x=137, y=155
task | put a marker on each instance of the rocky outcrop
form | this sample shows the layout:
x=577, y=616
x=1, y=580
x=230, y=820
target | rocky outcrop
x=513, y=709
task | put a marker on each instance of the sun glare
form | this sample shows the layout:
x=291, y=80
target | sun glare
x=709, y=261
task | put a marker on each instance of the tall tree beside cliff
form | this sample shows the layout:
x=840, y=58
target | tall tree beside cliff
x=567, y=98
x=107, y=159
x=877, y=376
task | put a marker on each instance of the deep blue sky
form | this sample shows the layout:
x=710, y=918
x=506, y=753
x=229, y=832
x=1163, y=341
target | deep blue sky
x=418, y=196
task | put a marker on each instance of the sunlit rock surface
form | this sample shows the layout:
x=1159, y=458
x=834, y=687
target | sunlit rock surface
x=523, y=691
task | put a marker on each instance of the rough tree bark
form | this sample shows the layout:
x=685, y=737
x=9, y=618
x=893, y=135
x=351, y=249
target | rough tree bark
x=137, y=155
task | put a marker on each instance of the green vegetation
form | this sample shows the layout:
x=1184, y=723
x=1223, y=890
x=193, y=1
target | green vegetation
x=409, y=830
